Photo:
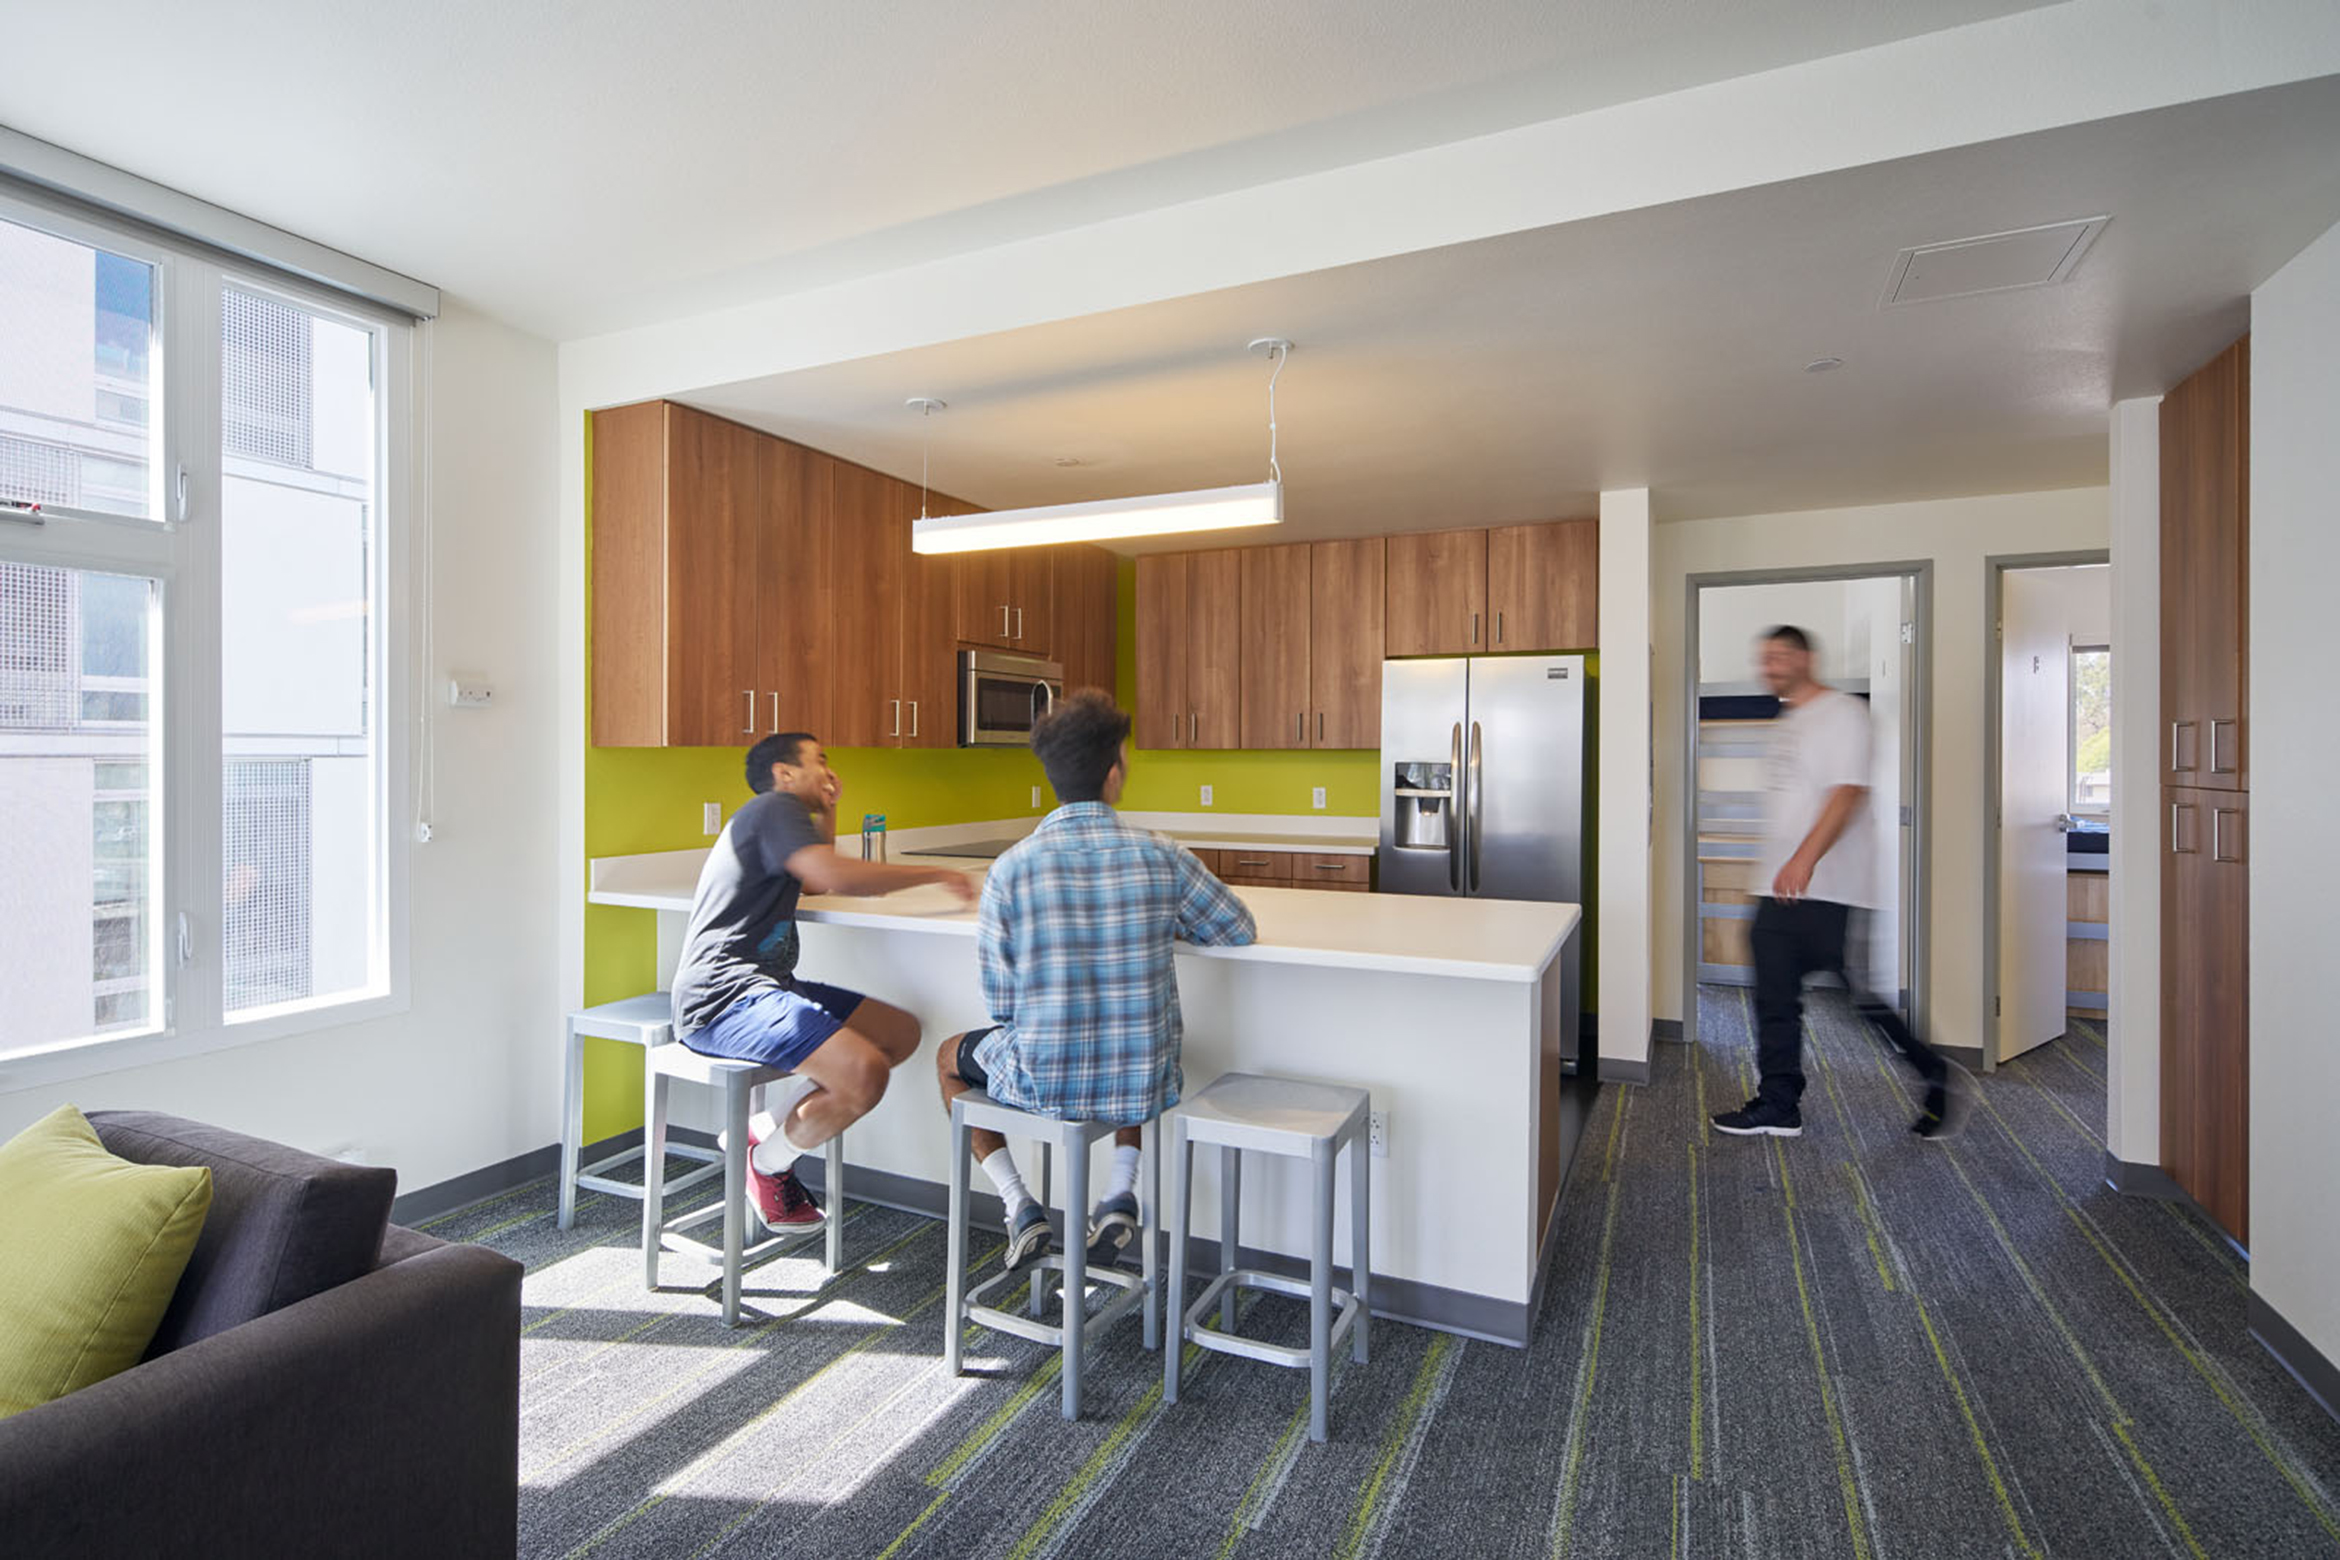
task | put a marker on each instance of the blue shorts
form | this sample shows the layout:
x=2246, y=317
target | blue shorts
x=778, y=1028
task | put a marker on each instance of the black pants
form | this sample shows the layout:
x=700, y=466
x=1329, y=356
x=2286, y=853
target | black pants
x=1799, y=937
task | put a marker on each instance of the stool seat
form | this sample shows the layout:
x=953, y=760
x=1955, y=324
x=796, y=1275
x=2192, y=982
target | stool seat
x=736, y=1081
x=975, y=1109
x=1290, y=1117
x=1250, y=1110
x=646, y=1021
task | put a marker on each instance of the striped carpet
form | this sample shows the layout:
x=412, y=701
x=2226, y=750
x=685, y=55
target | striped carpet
x=1854, y=1344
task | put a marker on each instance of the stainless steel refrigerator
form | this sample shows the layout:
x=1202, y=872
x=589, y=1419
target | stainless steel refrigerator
x=1482, y=777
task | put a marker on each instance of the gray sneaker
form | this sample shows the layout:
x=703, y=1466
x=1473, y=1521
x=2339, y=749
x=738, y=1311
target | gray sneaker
x=1028, y=1236
x=1112, y=1226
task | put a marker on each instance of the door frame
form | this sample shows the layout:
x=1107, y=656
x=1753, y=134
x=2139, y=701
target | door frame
x=1996, y=568
x=1918, y=777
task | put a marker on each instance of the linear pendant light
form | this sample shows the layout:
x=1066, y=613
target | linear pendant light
x=1110, y=519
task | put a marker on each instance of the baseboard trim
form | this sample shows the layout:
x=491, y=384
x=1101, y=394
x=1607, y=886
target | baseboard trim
x=2141, y=1180
x=477, y=1186
x=1397, y=1299
x=2294, y=1353
x=1616, y=1069
x=1665, y=1029
x=1969, y=1057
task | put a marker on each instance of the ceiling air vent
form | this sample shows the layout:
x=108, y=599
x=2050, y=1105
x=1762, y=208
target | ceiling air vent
x=1995, y=262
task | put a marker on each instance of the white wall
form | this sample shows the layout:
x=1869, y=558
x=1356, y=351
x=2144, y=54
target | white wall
x=2294, y=829
x=1730, y=619
x=1623, y=979
x=467, y=1076
x=1957, y=535
x=2133, y=1005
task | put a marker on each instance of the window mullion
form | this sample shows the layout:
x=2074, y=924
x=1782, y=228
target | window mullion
x=191, y=630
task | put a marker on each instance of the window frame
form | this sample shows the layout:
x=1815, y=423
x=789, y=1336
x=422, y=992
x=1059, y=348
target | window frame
x=2072, y=732
x=181, y=552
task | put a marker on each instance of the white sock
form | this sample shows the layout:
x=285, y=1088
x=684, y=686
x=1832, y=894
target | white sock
x=1125, y=1173
x=1001, y=1167
x=774, y=1152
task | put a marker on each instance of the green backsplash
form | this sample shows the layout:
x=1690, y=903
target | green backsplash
x=649, y=799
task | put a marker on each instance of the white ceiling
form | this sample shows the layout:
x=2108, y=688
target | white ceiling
x=1516, y=378
x=579, y=165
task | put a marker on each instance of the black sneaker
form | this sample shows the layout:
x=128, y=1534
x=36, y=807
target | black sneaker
x=1756, y=1118
x=1112, y=1226
x=1028, y=1236
x=1944, y=1111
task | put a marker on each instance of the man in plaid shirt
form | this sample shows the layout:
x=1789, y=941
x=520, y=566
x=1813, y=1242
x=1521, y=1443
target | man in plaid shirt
x=1075, y=938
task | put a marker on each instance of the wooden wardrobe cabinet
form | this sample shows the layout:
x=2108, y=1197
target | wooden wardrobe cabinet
x=1189, y=650
x=2205, y=748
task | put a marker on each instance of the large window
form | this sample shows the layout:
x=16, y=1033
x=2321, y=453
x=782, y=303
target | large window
x=197, y=692
x=2092, y=730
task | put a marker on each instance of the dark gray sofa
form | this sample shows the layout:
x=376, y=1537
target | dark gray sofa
x=324, y=1383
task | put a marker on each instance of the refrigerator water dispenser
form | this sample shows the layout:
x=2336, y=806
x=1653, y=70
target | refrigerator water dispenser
x=1424, y=794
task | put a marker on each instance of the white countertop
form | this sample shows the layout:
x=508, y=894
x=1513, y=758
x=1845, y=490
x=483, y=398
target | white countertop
x=1472, y=939
x=1320, y=844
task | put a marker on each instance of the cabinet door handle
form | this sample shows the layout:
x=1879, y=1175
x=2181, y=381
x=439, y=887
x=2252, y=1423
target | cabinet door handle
x=749, y=694
x=1259, y=862
x=897, y=704
x=775, y=712
x=1300, y=736
x=914, y=717
x=1018, y=636
x=1332, y=866
x=1003, y=633
x=1499, y=628
x=1193, y=728
x=1320, y=728
x=1474, y=628
x=2177, y=843
x=2218, y=767
x=2218, y=817
x=2178, y=732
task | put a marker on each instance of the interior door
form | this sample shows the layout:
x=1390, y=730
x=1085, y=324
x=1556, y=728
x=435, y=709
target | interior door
x=2035, y=766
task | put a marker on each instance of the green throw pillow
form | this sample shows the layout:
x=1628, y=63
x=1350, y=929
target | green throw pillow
x=91, y=1249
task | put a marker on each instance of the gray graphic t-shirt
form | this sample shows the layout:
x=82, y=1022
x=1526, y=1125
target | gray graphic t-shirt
x=742, y=937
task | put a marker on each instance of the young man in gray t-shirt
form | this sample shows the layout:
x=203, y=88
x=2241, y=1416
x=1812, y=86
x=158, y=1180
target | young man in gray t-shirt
x=736, y=990
x=1815, y=872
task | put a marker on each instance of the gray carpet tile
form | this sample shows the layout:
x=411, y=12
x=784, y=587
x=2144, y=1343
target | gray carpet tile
x=1852, y=1344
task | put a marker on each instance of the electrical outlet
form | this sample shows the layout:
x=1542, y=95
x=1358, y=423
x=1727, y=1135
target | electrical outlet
x=711, y=820
x=1206, y=796
x=470, y=693
x=1377, y=1132
x=1317, y=796
x=1035, y=796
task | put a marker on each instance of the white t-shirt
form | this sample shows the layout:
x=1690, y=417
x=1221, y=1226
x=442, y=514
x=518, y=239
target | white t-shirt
x=1815, y=747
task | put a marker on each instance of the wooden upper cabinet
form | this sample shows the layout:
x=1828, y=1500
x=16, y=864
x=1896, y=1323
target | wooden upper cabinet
x=870, y=580
x=1346, y=583
x=1087, y=612
x=1214, y=649
x=1544, y=586
x=1162, y=714
x=795, y=563
x=930, y=650
x=1274, y=614
x=2205, y=547
x=1005, y=597
x=1437, y=593
x=676, y=508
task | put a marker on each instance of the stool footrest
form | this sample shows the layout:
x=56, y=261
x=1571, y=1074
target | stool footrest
x=976, y=1307
x=1193, y=1330
x=770, y=1245
x=591, y=1179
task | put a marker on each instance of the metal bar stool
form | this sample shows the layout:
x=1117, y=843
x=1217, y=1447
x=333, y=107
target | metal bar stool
x=1311, y=1121
x=738, y=1081
x=976, y=1109
x=646, y=1021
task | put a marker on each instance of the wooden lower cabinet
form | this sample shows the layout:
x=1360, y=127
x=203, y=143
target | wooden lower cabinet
x=2205, y=1000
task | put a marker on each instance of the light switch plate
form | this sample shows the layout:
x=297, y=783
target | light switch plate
x=711, y=820
x=1377, y=1133
x=1318, y=796
x=470, y=693
x=1206, y=796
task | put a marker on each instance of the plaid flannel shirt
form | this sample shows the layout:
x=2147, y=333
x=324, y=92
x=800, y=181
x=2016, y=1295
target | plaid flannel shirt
x=1074, y=942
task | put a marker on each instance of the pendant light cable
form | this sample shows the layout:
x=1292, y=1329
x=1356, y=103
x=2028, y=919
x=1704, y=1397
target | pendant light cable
x=927, y=406
x=1279, y=352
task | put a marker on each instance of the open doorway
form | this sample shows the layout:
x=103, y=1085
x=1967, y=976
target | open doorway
x=2048, y=880
x=1867, y=626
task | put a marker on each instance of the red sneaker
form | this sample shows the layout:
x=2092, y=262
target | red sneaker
x=780, y=1201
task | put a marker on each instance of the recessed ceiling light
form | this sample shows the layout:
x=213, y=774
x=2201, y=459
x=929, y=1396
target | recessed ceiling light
x=1070, y=460
x=1823, y=365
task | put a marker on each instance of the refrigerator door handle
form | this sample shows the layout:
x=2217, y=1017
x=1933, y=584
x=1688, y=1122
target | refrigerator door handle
x=1454, y=813
x=1477, y=804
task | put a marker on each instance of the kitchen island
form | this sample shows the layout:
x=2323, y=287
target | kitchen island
x=1459, y=1015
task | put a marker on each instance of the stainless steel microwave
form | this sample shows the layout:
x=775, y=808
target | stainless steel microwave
x=1001, y=696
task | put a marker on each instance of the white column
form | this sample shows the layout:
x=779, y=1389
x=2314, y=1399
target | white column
x=2133, y=1007
x=1623, y=979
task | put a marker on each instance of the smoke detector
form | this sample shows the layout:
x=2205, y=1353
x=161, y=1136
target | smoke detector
x=1992, y=262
